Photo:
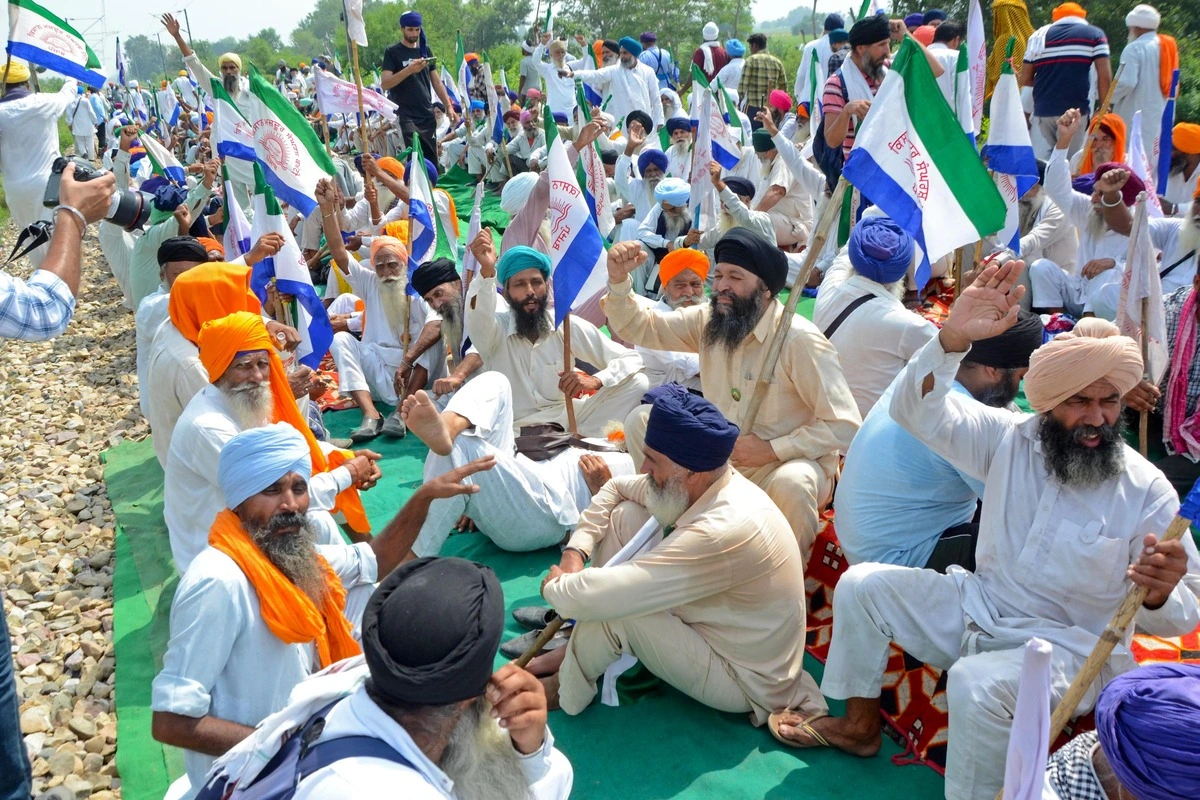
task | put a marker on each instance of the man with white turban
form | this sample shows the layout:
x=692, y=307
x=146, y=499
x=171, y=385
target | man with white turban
x=1144, y=77
x=666, y=228
x=265, y=603
x=1070, y=515
x=710, y=56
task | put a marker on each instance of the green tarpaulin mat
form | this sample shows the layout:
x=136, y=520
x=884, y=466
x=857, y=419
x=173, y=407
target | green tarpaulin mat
x=459, y=184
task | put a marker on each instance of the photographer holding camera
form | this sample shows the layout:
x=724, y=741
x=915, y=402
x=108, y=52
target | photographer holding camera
x=40, y=308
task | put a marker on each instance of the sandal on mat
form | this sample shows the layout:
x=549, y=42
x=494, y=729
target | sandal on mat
x=776, y=719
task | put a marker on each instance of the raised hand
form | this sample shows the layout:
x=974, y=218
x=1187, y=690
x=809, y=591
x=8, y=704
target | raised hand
x=764, y=116
x=484, y=250
x=1113, y=180
x=624, y=258
x=1068, y=126
x=450, y=484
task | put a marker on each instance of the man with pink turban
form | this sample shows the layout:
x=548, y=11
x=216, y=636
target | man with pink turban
x=1071, y=516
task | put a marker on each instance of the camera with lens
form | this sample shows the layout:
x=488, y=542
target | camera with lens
x=129, y=209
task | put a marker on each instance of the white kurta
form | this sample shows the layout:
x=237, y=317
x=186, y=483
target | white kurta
x=187, y=92
x=878, y=338
x=667, y=366
x=560, y=92
x=548, y=771
x=151, y=314
x=1139, y=89
x=632, y=187
x=1051, y=563
x=1181, y=189
x=949, y=60
x=192, y=498
x=174, y=375
x=629, y=89
x=28, y=147
x=1164, y=234
x=223, y=661
x=1052, y=237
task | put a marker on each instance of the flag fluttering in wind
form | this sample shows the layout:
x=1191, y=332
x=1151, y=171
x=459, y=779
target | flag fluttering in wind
x=912, y=160
x=337, y=96
x=726, y=142
x=592, y=96
x=164, y=162
x=168, y=106
x=963, y=99
x=286, y=146
x=1029, y=739
x=495, y=120
x=464, y=77
x=589, y=170
x=470, y=263
x=356, y=27
x=703, y=195
x=1166, y=137
x=120, y=64
x=977, y=56
x=237, y=227
x=1009, y=153
x=40, y=37
x=1141, y=281
x=548, y=25
x=233, y=136
x=1139, y=163
x=291, y=275
x=577, y=254
x=427, y=239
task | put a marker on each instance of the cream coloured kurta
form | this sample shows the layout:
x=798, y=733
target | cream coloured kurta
x=808, y=411
x=533, y=369
x=729, y=570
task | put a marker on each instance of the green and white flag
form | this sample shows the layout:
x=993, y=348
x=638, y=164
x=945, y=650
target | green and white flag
x=38, y=36
x=286, y=146
x=911, y=158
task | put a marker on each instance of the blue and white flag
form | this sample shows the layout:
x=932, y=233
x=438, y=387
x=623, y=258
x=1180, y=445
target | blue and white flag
x=703, y=196
x=1009, y=154
x=1165, y=139
x=427, y=239
x=232, y=135
x=589, y=63
x=164, y=162
x=120, y=65
x=291, y=275
x=451, y=90
x=37, y=35
x=168, y=106
x=237, y=227
x=577, y=255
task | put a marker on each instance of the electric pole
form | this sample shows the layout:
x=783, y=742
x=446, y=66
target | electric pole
x=187, y=22
x=163, y=56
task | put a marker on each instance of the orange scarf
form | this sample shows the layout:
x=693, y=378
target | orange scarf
x=1115, y=126
x=290, y=613
x=220, y=341
x=1168, y=62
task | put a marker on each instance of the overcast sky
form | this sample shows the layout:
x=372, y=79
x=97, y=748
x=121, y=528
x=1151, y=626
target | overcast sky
x=215, y=19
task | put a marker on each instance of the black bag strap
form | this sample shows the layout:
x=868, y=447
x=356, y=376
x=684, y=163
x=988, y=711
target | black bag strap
x=846, y=312
x=1171, y=268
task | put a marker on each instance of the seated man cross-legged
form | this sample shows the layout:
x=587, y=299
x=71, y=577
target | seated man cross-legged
x=715, y=608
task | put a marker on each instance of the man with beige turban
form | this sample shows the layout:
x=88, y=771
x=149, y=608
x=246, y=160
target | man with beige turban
x=1071, y=516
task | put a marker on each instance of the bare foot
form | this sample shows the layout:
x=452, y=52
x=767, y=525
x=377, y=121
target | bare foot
x=837, y=731
x=424, y=420
x=547, y=663
x=550, y=684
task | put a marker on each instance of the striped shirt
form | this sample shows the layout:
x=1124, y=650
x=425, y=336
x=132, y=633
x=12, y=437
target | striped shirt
x=34, y=310
x=1063, y=54
x=833, y=101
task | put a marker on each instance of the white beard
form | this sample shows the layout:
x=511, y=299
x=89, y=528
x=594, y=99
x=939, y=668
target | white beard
x=764, y=169
x=394, y=299
x=252, y=403
x=667, y=504
x=675, y=224
x=452, y=335
x=481, y=760
x=1095, y=225
x=726, y=224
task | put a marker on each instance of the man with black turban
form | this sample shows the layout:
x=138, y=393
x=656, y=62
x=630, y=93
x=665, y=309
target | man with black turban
x=428, y=715
x=714, y=607
x=438, y=282
x=808, y=415
x=899, y=502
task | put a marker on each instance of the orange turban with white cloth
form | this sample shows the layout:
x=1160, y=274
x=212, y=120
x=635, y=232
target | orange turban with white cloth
x=1071, y=362
x=207, y=292
x=220, y=342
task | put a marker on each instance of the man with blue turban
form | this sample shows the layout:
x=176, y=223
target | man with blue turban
x=410, y=82
x=660, y=60
x=1144, y=745
x=270, y=599
x=807, y=417
x=632, y=84
x=860, y=307
x=636, y=177
x=712, y=601
x=679, y=151
x=519, y=340
x=668, y=227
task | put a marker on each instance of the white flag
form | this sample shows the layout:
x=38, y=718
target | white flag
x=337, y=96
x=1029, y=739
x=1140, y=164
x=1140, y=282
x=355, y=25
x=977, y=54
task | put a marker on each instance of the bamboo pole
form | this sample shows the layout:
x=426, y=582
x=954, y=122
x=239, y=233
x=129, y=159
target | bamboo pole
x=958, y=272
x=362, y=114
x=545, y=636
x=1144, y=416
x=1105, y=107
x=325, y=130
x=816, y=244
x=569, y=365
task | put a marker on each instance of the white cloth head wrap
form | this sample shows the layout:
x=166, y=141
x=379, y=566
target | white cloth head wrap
x=1143, y=16
x=256, y=458
x=517, y=191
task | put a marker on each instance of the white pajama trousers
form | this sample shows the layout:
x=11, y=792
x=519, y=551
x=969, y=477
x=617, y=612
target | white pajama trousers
x=922, y=611
x=521, y=504
x=1054, y=288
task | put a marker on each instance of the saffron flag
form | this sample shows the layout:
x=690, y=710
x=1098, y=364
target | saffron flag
x=164, y=162
x=286, y=146
x=40, y=37
x=337, y=96
x=977, y=55
x=1139, y=161
x=577, y=254
x=1009, y=152
x=291, y=275
x=1165, y=138
x=1029, y=739
x=356, y=27
x=237, y=227
x=911, y=159
x=1141, y=282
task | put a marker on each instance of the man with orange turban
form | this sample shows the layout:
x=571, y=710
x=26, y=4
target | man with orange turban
x=1071, y=515
x=269, y=599
x=682, y=272
x=1148, y=61
x=1183, y=180
x=397, y=353
x=248, y=388
x=174, y=373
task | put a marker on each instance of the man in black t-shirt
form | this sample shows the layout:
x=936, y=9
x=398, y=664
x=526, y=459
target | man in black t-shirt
x=408, y=77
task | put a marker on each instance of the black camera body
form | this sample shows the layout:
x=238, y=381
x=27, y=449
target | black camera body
x=129, y=209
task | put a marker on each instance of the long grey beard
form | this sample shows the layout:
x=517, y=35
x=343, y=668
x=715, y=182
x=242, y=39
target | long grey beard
x=480, y=759
x=668, y=502
x=1027, y=211
x=675, y=224
x=394, y=299
x=252, y=403
x=1095, y=225
x=295, y=555
x=452, y=329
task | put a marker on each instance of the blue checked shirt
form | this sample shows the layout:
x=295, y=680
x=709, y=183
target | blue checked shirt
x=34, y=310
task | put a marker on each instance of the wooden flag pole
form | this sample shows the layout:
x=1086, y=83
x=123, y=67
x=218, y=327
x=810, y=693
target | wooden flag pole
x=325, y=130
x=816, y=244
x=406, y=337
x=1105, y=107
x=545, y=636
x=1114, y=632
x=362, y=114
x=568, y=366
x=958, y=272
x=1144, y=416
